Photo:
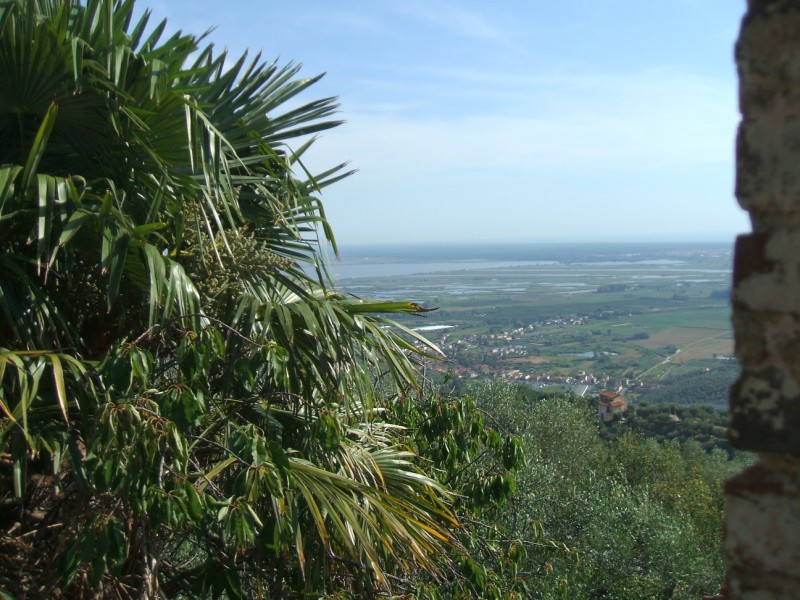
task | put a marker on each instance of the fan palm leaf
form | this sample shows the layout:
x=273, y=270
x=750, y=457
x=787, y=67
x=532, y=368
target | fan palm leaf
x=170, y=342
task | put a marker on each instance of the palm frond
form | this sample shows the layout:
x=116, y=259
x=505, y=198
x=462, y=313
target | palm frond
x=168, y=329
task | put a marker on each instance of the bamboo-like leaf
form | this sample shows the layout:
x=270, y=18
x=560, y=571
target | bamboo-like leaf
x=115, y=263
x=39, y=145
x=3, y=406
x=157, y=273
x=19, y=478
x=78, y=48
x=218, y=468
x=143, y=230
x=46, y=202
x=77, y=220
x=58, y=380
x=8, y=175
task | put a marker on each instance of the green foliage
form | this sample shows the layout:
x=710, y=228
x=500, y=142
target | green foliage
x=642, y=518
x=184, y=410
x=702, y=387
x=479, y=458
x=679, y=422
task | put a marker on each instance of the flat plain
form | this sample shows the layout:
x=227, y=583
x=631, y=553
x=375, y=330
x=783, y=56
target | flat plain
x=640, y=318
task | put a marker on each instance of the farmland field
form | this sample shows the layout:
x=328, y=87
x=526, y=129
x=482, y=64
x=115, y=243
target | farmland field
x=632, y=317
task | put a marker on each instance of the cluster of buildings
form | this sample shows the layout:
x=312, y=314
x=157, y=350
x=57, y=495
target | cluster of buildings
x=495, y=345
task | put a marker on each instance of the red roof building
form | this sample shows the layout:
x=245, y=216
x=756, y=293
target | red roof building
x=610, y=405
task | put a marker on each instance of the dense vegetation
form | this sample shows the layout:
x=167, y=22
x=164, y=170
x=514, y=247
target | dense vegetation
x=641, y=518
x=186, y=412
x=700, y=387
x=701, y=423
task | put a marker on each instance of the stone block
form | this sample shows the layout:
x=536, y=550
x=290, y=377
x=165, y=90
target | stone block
x=768, y=58
x=766, y=273
x=765, y=412
x=768, y=142
x=763, y=517
x=767, y=338
x=767, y=180
x=750, y=334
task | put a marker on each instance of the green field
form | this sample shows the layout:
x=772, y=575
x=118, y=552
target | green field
x=638, y=325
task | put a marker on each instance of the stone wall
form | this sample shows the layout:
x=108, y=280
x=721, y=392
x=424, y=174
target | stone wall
x=763, y=516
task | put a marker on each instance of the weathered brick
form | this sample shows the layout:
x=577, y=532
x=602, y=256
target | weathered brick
x=766, y=274
x=751, y=343
x=761, y=545
x=765, y=184
x=765, y=412
x=768, y=142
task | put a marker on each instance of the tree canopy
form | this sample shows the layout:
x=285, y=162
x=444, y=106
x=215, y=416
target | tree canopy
x=187, y=404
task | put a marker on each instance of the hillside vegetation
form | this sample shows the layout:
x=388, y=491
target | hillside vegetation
x=630, y=516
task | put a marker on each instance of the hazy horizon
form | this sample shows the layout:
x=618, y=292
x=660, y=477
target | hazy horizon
x=712, y=239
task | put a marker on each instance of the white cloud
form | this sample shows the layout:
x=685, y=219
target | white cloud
x=336, y=19
x=655, y=119
x=452, y=17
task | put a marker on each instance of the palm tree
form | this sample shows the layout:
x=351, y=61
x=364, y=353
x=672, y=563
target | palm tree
x=187, y=404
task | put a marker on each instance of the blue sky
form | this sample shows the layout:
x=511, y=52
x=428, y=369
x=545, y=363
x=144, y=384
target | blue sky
x=515, y=120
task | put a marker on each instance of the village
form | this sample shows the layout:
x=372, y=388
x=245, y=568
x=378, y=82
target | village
x=475, y=356
x=495, y=353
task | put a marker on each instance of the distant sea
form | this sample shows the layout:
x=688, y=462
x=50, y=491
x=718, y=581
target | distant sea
x=396, y=260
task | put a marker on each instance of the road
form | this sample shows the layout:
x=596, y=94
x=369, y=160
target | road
x=663, y=362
